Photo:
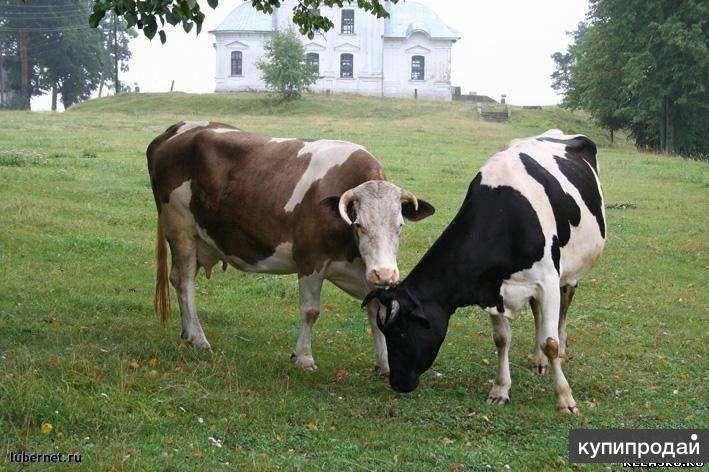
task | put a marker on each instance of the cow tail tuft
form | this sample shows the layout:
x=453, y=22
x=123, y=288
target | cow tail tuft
x=161, y=300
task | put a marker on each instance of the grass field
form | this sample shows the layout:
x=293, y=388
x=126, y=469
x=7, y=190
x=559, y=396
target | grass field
x=81, y=349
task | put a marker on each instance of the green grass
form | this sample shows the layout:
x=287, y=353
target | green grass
x=80, y=347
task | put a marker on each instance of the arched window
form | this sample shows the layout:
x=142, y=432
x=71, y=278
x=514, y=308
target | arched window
x=236, y=63
x=418, y=68
x=346, y=66
x=347, y=23
x=312, y=60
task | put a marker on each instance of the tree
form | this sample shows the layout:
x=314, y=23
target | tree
x=146, y=15
x=577, y=75
x=643, y=65
x=284, y=68
x=116, y=37
x=64, y=56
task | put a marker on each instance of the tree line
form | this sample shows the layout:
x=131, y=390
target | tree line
x=47, y=46
x=642, y=66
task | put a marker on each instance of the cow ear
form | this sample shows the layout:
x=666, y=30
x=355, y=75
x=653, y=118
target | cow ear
x=425, y=210
x=332, y=203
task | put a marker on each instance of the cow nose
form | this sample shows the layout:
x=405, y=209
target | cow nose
x=383, y=277
x=404, y=384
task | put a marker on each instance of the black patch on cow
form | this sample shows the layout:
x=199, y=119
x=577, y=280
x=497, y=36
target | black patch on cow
x=578, y=147
x=584, y=179
x=495, y=234
x=555, y=253
x=500, y=305
x=566, y=210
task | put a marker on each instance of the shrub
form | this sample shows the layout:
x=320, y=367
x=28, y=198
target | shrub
x=283, y=66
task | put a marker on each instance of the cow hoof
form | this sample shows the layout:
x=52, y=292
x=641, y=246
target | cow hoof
x=567, y=406
x=305, y=363
x=381, y=371
x=540, y=366
x=569, y=410
x=499, y=395
x=202, y=344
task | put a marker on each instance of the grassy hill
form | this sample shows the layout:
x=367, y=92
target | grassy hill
x=341, y=106
x=80, y=347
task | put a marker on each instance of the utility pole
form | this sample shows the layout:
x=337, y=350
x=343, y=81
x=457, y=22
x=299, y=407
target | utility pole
x=115, y=51
x=2, y=79
x=22, y=40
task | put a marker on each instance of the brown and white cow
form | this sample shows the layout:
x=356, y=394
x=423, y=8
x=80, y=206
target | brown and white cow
x=321, y=209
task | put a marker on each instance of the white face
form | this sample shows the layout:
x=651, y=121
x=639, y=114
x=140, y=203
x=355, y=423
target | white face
x=378, y=225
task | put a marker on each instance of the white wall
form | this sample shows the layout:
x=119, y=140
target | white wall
x=365, y=45
x=251, y=47
x=397, y=67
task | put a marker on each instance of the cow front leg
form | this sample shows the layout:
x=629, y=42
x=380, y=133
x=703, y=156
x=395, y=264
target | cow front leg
x=502, y=335
x=182, y=274
x=309, y=288
x=381, y=360
x=540, y=363
x=550, y=310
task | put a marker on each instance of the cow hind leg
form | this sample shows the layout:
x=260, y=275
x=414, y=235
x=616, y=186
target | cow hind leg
x=309, y=288
x=182, y=274
x=540, y=363
x=550, y=310
x=502, y=335
x=567, y=296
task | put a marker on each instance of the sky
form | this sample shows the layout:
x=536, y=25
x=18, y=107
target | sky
x=505, y=49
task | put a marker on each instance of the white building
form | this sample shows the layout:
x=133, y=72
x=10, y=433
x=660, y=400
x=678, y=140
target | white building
x=407, y=53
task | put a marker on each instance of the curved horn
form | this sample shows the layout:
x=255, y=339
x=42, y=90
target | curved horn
x=407, y=196
x=345, y=200
x=393, y=312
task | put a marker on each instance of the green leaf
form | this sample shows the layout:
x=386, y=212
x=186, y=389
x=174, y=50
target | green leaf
x=187, y=26
x=172, y=18
x=213, y=3
x=149, y=31
x=151, y=27
x=163, y=36
x=96, y=18
x=130, y=18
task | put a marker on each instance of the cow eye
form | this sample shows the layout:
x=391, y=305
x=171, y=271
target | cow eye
x=359, y=228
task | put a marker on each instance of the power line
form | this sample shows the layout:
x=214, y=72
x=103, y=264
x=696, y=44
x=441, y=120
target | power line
x=48, y=29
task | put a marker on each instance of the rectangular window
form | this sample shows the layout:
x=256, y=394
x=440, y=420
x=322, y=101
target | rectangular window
x=346, y=66
x=236, y=63
x=347, y=22
x=312, y=60
x=418, y=68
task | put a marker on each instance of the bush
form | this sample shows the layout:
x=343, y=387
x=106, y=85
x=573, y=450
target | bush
x=284, y=68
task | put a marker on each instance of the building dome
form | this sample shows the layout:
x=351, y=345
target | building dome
x=246, y=18
x=407, y=18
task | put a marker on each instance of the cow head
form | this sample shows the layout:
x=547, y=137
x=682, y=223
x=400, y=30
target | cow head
x=414, y=335
x=375, y=211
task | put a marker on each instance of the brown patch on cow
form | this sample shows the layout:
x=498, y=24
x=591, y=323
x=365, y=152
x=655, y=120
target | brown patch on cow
x=311, y=316
x=240, y=184
x=499, y=340
x=551, y=348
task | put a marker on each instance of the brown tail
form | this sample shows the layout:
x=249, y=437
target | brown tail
x=161, y=300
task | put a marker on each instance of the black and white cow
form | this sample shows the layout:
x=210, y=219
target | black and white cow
x=532, y=223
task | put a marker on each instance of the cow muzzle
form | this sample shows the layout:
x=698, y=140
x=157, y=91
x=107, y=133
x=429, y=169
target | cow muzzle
x=404, y=383
x=383, y=277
